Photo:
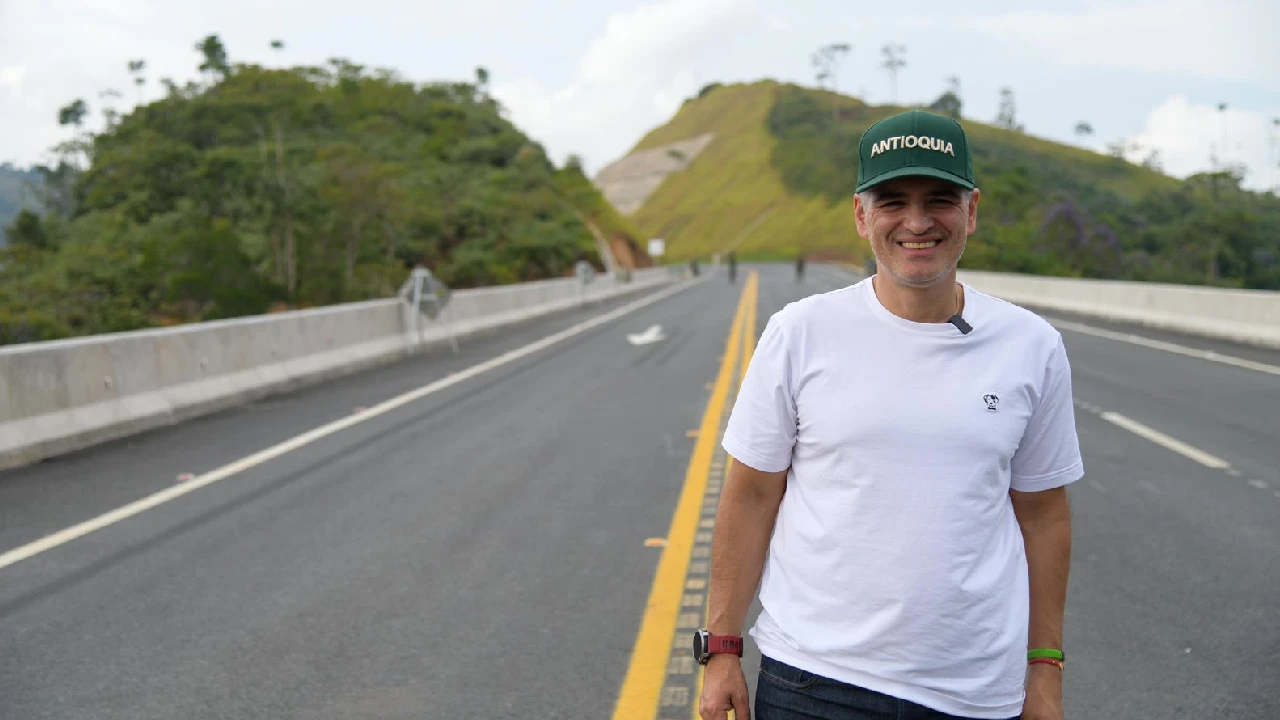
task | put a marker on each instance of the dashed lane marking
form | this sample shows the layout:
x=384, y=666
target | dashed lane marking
x=1170, y=443
x=1166, y=441
x=1165, y=346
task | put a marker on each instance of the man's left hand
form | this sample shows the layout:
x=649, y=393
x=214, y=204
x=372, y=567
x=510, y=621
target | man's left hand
x=1044, y=693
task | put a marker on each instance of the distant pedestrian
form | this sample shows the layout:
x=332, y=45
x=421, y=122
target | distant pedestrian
x=733, y=267
x=800, y=267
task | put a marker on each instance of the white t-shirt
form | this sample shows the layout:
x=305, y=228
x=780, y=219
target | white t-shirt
x=896, y=562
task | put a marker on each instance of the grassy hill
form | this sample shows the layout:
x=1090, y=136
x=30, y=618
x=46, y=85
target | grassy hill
x=778, y=179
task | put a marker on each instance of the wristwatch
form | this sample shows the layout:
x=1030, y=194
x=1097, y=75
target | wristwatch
x=705, y=645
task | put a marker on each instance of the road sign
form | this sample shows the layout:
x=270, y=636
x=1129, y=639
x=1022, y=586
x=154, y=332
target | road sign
x=427, y=296
x=657, y=247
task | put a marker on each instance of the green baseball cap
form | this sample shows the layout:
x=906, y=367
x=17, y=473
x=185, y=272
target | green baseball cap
x=914, y=143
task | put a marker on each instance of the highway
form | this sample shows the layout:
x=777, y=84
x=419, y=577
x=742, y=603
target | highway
x=495, y=547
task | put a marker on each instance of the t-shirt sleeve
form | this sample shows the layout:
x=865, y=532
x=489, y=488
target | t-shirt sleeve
x=1049, y=454
x=762, y=426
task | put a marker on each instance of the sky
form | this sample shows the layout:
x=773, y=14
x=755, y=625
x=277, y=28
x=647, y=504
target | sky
x=591, y=77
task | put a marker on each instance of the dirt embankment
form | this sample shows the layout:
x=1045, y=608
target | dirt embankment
x=627, y=183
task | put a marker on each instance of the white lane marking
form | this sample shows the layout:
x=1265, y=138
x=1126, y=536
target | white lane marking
x=1234, y=472
x=1166, y=346
x=138, y=506
x=1150, y=487
x=1096, y=485
x=652, y=335
x=1261, y=485
x=1160, y=438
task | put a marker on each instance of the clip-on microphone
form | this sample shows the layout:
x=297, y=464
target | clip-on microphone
x=960, y=324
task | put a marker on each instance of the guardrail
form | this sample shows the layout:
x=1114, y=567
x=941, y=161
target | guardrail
x=1244, y=316
x=63, y=395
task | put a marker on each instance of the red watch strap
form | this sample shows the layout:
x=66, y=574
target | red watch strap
x=724, y=645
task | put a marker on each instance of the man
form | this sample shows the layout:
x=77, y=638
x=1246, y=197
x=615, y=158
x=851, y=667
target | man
x=901, y=451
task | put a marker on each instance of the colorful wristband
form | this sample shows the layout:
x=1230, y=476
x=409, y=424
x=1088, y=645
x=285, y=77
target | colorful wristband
x=1047, y=661
x=1046, y=653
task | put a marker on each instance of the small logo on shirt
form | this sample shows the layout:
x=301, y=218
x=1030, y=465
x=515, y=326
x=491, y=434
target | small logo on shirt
x=992, y=400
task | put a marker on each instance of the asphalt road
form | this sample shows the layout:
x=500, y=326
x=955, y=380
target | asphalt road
x=481, y=552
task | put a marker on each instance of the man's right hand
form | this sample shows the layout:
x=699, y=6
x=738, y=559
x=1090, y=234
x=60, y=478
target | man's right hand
x=724, y=688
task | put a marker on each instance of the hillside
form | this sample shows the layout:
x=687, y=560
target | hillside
x=15, y=195
x=777, y=179
x=269, y=188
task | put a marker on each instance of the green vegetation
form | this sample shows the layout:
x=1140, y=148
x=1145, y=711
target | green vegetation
x=260, y=189
x=16, y=194
x=779, y=176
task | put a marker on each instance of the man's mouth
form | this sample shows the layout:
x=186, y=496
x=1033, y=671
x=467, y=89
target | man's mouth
x=919, y=244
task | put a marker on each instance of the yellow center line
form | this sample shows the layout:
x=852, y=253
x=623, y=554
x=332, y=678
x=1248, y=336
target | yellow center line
x=642, y=687
x=748, y=349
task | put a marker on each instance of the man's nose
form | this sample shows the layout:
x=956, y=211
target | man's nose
x=918, y=220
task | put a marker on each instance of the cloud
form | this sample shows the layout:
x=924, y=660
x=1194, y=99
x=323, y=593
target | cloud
x=11, y=78
x=1197, y=38
x=633, y=76
x=1187, y=133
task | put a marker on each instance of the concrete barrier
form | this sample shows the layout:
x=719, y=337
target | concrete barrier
x=64, y=395
x=1244, y=316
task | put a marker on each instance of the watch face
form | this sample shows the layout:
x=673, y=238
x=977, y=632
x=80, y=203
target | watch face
x=699, y=646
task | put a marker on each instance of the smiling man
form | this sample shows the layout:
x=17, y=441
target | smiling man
x=901, y=453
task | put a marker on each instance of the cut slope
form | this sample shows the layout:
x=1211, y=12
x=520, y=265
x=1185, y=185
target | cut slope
x=629, y=182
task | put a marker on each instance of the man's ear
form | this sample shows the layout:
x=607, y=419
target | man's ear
x=972, y=223
x=860, y=216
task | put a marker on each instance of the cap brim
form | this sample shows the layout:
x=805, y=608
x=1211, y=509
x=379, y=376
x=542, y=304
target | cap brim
x=916, y=172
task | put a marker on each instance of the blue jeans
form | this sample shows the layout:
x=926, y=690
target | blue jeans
x=784, y=692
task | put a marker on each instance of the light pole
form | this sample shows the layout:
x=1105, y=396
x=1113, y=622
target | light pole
x=1275, y=160
x=1211, y=272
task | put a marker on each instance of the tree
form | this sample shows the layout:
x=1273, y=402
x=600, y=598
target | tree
x=892, y=63
x=135, y=69
x=27, y=230
x=359, y=190
x=1083, y=129
x=73, y=113
x=110, y=115
x=70, y=151
x=826, y=60
x=1007, y=116
x=948, y=103
x=277, y=199
x=215, y=56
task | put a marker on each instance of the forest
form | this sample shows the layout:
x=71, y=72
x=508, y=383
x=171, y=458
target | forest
x=259, y=189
